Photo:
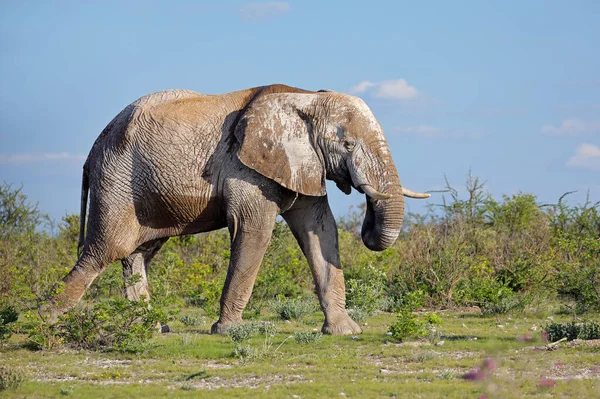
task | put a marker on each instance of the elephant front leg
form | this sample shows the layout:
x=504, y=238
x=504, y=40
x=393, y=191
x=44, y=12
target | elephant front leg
x=314, y=227
x=248, y=247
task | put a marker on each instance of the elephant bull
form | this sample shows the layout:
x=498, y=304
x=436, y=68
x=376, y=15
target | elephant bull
x=178, y=162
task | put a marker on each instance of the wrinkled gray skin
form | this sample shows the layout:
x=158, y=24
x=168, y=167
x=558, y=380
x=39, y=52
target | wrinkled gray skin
x=179, y=162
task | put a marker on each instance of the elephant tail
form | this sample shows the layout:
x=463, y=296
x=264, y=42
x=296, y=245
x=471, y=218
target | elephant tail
x=85, y=185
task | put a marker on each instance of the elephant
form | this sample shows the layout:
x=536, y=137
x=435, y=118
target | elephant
x=178, y=162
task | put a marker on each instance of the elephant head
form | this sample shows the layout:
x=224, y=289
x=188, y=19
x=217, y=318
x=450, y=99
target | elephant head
x=301, y=139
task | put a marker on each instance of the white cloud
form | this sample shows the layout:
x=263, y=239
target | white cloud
x=586, y=156
x=263, y=10
x=20, y=158
x=572, y=127
x=362, y=87
x=397, y=89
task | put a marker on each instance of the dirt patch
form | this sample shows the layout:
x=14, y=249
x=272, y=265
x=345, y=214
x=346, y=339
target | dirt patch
x=590, y=343
x=251, y=382
x=106, y=363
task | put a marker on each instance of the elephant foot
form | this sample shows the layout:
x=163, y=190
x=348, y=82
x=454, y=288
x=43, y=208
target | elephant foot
x=162, y=328
x=221, y=327
x=341, y=326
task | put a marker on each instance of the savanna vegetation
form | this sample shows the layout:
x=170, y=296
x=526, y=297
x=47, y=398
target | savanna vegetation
x=467, y=303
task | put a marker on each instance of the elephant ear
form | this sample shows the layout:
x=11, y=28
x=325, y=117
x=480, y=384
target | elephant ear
x=277, y=141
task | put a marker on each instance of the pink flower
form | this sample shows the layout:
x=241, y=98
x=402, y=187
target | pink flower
x=558, y=364
x=547, y=383
x=480, y=373
x=524, y=338
x=544, y=336
x=489, y=364
x=474, y=375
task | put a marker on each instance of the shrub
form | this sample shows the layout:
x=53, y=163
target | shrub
x=189, y=320
x=40, y=334
x=358, y=315
x=411, y=300
x=7, y=316
x=9, y=378
x=308, y=337
x=266, y=328
x=288, y=309
x=589, y=330
x=364, y=296
x=116, y=324
x=492, y=296
x=243, y=332
x=246, y=353
x=586, y=331
x=408, y=324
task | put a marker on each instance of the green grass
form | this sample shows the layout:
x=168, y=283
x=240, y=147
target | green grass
x=191, y=363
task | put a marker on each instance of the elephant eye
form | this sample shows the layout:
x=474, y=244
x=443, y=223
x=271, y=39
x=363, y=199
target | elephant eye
x=349, y=143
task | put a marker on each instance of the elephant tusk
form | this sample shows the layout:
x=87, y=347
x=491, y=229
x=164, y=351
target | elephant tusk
x=371, y=192
x=412, y=194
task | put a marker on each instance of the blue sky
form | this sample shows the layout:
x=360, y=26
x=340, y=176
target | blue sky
x=508, y=89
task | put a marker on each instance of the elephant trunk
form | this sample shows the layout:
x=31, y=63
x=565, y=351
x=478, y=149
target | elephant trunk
x=384, y=215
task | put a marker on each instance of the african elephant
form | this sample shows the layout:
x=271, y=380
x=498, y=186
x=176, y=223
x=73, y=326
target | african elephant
x=178, y=162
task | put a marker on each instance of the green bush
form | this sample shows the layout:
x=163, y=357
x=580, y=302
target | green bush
x=9, y=378
x=364, y=295
x=359, y=315
x=246, y=353
x=586, y=331
x=118, y=324
x=115, y=324
x=491, y=295
x=189, y=320
x=408, y=324
x=292, y=309
x=40, y=334
x=243, y=332
x=307, y=337
x=7, y=317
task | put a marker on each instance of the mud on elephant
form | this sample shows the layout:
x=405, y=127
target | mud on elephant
x=178, y=162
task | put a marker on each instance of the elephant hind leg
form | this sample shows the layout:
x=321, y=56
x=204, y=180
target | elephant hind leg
x=135, y=269
x=83, y=274
x=104, y=244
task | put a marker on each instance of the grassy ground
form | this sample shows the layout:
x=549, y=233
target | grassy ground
x=191, y=363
